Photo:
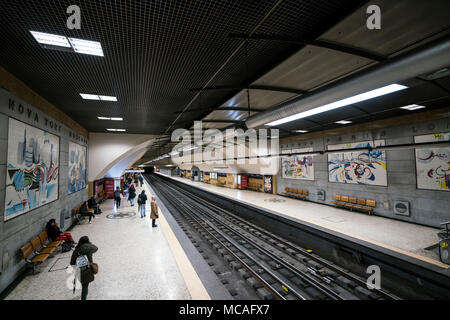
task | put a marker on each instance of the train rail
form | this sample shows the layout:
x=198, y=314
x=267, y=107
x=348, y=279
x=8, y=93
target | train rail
x=283, y=269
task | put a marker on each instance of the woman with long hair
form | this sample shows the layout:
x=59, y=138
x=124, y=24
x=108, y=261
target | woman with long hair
x=87, y=249
x=55, y=234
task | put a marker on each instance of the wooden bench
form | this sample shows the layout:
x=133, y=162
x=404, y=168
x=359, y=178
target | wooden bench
x=78, y=215
x=353, y=203
x=38, y=250
x=296, y=193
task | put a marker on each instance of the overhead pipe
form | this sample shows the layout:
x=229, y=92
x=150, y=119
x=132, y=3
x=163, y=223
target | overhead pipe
x=430, y=57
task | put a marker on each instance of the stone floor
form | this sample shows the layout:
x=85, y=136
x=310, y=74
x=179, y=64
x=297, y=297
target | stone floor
x=135, y=262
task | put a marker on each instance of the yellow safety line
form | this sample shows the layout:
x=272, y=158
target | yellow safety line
x=193, y=283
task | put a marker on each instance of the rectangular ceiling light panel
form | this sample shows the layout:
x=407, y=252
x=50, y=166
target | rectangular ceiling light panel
x=107, y=98
x=343, y=122
x=116, y=130
x=51, y=39
x=108, y=118
x=89, y=96
x=341, y=103
x=413, y=107
x=86, y=47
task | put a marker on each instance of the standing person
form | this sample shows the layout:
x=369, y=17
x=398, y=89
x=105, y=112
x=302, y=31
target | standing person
x=129, y=180
x=55, y=234
x=84, y=248
x=117, y=195
x=141, y=179
x=136, y=180
x=142, y=199
x=131, y=194
x=154, y=213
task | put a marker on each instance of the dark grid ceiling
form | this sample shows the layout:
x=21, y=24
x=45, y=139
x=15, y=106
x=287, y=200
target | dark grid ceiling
x=155, y=52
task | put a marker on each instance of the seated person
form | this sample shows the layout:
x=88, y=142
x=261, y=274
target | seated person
x=93, y=204
x=54, y=233
x=84, y=211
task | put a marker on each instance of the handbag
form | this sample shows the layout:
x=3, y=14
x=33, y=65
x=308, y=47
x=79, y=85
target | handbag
x=94, y=267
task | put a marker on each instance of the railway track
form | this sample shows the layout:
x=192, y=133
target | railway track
x=273, y=266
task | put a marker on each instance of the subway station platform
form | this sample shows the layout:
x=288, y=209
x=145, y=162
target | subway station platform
x=136, y=262
x=400, y=237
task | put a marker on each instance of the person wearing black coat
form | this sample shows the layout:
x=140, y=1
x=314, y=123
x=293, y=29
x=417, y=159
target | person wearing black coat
x=131, y=194
x=84, y=247
x=55, y=234
x=141, y=180
x=93, y=204
x=84, y=211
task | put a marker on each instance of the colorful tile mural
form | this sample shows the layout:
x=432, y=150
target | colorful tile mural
x=298, y=166
x=358, y=167
x=433, y=164
x=32, y=168
x=77, y=167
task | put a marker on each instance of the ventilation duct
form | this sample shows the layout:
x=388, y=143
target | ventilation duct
x=430, y=57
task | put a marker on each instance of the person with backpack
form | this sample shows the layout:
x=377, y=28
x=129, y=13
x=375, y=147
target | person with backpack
x=154, y=211
x=132, y=195
x=142, y=199
x=117, y=197
x=83, y=260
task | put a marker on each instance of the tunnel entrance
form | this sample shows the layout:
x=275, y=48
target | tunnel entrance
x=149, y=170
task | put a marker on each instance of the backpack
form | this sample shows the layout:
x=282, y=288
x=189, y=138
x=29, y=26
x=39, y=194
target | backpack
x=139, y=200
x=82, y=261
x=65, y=247
x=117, y=194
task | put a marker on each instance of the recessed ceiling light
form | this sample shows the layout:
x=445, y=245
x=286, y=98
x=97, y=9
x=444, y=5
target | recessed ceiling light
x=412, y=107
x=341, y=103
x=116, y=130
x=86, y=47
x=343, y=122
x=97, y=97
x=301, y=131
x=108, y=98
x=89, y=96
x=108, y=118
x=51, y=39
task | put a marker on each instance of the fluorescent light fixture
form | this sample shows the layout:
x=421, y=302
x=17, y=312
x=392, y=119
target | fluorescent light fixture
x=341, y=103
x=343, y=122
x=51, y=39
x=413, y=107
x=86, y=47
x=108, y=118
x=301, y=131
x=89, y=96
x=107, y=98
x=116, y=130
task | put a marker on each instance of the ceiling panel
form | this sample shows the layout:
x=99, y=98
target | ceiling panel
x=403, y=23
x=313, y=66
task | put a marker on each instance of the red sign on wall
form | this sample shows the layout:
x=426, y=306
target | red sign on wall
x=109, y=188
